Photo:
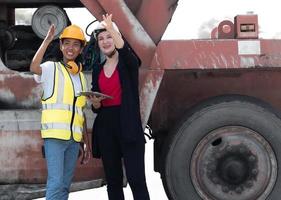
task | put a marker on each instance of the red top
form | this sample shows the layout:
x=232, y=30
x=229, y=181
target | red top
x=110, y=86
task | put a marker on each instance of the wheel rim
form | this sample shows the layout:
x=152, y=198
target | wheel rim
x=233, y=162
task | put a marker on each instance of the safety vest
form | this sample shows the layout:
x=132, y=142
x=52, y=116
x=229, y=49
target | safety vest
x=62, y=112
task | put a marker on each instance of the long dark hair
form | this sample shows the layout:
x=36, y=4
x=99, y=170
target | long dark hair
x=91, y=54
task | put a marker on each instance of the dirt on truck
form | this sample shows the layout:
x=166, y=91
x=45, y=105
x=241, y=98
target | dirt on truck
x=213, y=104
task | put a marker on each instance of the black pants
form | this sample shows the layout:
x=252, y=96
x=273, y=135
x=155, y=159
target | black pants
x=112, y=149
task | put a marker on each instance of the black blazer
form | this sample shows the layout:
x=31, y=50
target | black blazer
x=130, y=119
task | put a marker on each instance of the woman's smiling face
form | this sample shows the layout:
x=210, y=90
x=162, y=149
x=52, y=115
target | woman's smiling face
x=106, y=43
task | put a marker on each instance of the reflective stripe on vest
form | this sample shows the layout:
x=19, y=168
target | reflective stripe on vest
x=57, y=126
x=60, y=118
x=61, y=107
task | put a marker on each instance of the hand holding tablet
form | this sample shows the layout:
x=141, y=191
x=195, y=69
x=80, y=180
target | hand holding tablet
x=97, y=94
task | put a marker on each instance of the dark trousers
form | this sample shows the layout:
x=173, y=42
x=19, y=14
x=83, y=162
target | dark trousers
x=113, y=149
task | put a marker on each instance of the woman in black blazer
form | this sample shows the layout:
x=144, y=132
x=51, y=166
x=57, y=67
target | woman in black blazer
x=117, y=130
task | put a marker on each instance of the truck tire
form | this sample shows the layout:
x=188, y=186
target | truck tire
x=227, y=148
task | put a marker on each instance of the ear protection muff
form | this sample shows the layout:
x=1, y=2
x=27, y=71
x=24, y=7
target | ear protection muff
x=72, y=67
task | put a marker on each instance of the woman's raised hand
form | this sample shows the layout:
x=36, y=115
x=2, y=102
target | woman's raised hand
x=107, y=22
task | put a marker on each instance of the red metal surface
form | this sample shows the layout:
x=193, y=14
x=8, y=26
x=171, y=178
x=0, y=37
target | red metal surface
x=150, y=81
x=217, y=54
x=246, y=26
x=161, y=11
x=214, y=33
x=21, y=157
x=12, y=95
x=182, y=89
x=226, y=30
x=95, y=8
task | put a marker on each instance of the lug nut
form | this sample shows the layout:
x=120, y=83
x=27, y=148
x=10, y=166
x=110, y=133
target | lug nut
x=249, y=184
x=229, y=148
x=238, y=190
x=254, y=171
x=252, y=158
x=217, y=155
x=215, y=180
x=242, y=150
x=212, y=167
x=225, y=189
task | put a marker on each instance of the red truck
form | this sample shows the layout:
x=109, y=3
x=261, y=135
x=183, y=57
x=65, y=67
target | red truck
x=213, y=104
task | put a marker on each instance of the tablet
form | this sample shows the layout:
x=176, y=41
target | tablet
x=97, y=94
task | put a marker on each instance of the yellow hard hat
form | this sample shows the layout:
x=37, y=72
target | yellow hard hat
x=73, y=32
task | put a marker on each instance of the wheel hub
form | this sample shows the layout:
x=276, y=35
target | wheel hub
x=233, y=169
x=233, y=163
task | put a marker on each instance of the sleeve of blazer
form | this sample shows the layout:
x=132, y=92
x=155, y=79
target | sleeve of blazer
x=130, y=57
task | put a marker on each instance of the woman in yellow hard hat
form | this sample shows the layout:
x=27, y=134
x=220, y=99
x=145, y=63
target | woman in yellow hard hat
x=62, y=119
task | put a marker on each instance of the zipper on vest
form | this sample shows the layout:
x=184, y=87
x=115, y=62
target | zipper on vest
x=72, y=117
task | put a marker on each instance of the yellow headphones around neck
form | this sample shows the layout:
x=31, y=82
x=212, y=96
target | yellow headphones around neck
x=72, y=67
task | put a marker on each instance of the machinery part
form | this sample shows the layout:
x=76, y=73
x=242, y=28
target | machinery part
x=7, y=38
x=226, y=148
x=87, y=28
x=233, y=162
x=22, y=49
x=19, y=60
x=226, y=30
x=46, y=16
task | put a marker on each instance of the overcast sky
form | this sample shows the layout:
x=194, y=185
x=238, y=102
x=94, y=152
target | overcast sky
x=190, y=16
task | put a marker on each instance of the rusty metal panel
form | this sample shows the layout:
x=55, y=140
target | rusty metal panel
x=18, y=90
x=217, y=54
x=161, y=11
x=21, y=157
x=196, y=54
x=150, y=81
x=94, y=8
x=246, y=26
x=182, y=89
